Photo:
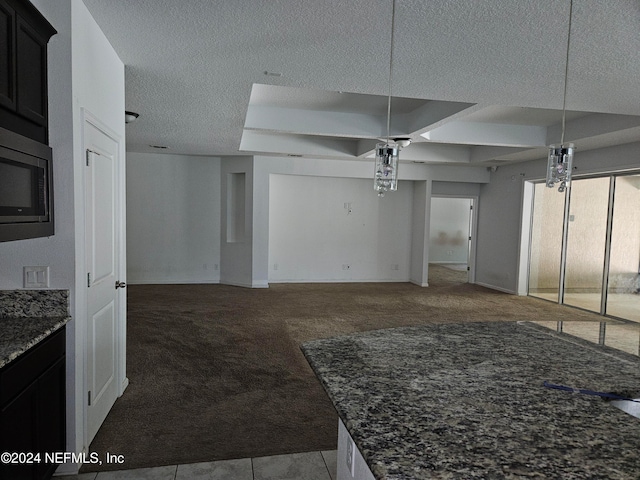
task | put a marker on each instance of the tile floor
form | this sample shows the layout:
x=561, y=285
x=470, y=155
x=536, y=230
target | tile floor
x=296, y=466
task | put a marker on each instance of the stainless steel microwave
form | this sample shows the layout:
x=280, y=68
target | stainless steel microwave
x=26, y=197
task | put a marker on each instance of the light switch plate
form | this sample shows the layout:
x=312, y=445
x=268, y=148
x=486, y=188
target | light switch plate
x=36, y=277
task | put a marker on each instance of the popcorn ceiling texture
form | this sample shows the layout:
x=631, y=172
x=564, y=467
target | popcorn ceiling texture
x=190, y=65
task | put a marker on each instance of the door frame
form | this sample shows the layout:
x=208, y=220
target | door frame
x=473, y=217
x=122, y=381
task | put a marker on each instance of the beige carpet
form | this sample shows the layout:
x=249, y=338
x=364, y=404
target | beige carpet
x=216, y=371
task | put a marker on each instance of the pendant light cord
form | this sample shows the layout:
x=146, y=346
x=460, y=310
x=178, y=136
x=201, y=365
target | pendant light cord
x=393, y=21
x=566, y=73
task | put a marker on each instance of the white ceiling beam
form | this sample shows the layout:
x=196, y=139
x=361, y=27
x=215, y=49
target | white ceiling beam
x=315, y=122
x=422, y=152
x=484, y=153
x=593, y=125
x=433, y=113
x=498, y=155
x=413, y=123
x=436, y=114
x=436, y=153
x=365, y=147
x=321, y=147
x=593, y=131
x=475, y=133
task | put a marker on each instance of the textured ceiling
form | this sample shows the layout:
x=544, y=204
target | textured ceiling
x=310, y=77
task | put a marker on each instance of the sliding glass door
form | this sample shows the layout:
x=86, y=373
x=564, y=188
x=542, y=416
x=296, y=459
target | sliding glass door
x=623, y=290
x=546, y=243
x=586, y=239
x=588, y=254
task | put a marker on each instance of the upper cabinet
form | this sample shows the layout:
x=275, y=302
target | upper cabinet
x=24, y=34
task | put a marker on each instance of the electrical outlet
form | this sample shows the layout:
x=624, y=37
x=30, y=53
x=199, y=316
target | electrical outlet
x=36, y=277
x=351, y=453
x=347, y=207
x=275, y=266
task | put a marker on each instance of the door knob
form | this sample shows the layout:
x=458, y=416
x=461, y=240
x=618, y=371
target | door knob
x=120, y=285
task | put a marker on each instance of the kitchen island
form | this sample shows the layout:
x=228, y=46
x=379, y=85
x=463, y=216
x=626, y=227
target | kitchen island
x=469, y=401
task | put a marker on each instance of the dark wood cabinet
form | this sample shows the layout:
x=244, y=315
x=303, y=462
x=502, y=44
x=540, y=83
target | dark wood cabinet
x=32, y=409
x=24, y=35
x=7, y=56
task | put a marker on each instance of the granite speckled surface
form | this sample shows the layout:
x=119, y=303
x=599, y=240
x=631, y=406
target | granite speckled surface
x=34, y=303
x=464, y=401
x=28, y=317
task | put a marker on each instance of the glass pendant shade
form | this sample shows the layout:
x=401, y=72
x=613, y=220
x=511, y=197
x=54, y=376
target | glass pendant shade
x=386, y=168
x=559, y=166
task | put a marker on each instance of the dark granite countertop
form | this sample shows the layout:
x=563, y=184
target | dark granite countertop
x=17, y=335
x=28, y=317
x=466, y=401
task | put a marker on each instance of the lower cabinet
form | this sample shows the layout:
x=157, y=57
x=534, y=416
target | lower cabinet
x=32, y=410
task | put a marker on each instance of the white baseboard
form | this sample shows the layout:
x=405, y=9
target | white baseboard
x=155, y=281
x=344, y=280
x=125, y=384
x=260, y=284
x=493, y=287
x=420, y=284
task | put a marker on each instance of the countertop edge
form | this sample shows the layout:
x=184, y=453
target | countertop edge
x=57, y=324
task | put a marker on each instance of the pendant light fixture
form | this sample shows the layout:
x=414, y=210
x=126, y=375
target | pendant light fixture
x=560, y=160
x=386, y=166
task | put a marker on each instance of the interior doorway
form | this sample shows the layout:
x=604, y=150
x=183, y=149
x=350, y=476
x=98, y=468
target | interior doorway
x=451, y=243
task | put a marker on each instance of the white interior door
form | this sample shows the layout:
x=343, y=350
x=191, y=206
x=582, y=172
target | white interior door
x=102, y=251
